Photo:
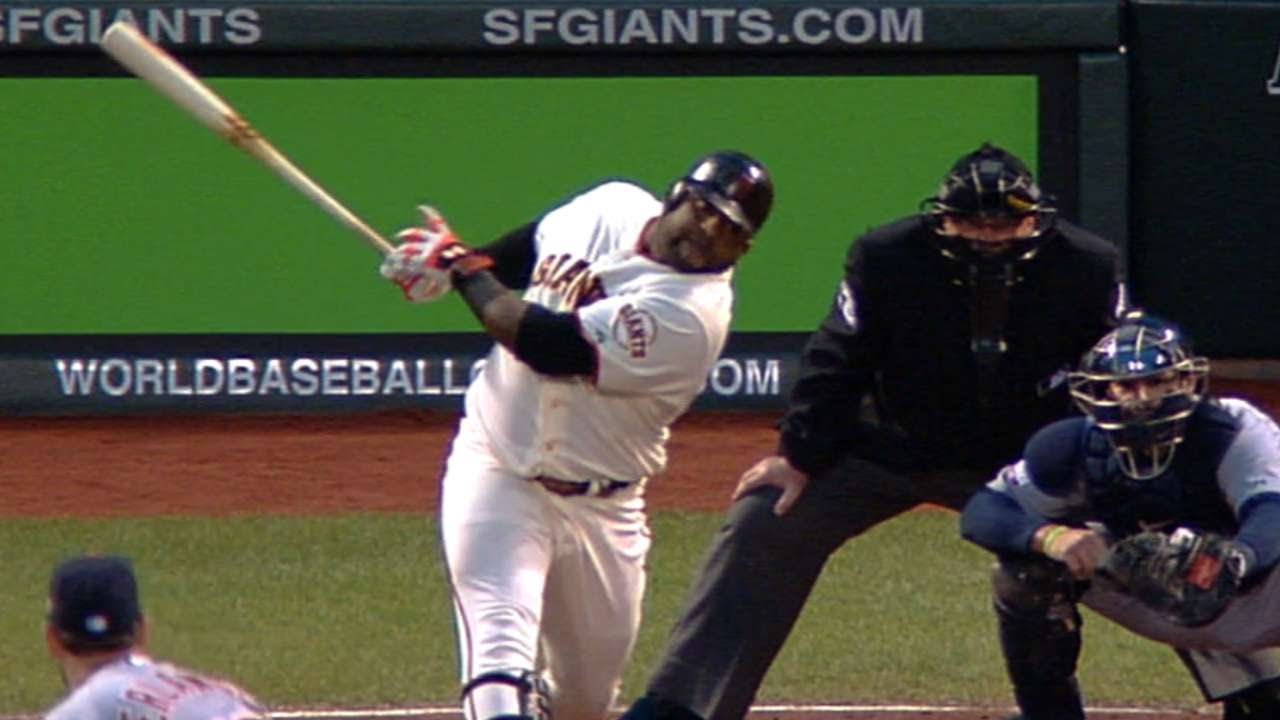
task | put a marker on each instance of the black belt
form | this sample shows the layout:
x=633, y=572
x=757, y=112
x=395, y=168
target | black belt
x=570, y=488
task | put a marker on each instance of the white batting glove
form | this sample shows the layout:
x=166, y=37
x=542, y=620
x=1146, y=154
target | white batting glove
x=420, y=263
x=406, y=266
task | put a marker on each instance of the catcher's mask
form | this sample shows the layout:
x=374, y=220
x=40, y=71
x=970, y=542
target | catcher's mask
x=733, y=183
x=1140, y=383
x=989, y=207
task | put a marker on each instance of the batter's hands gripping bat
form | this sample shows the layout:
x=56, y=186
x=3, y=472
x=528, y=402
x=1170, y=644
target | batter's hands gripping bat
x=150, y=62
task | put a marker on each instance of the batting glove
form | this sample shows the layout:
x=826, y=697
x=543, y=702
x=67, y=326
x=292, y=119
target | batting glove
x=423, y=264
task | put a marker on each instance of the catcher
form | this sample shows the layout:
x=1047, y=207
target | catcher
x=1159, y=509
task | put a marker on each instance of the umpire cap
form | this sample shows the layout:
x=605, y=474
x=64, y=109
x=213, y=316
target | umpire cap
x=93, y=602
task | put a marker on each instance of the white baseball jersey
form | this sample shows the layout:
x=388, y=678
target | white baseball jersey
x=553, y=585
x=135, y=687
x=657, y=332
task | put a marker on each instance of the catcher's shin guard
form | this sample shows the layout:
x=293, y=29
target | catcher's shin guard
x=1040, y=637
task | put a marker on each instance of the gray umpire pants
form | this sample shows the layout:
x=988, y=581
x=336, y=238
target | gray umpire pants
x=761, y=568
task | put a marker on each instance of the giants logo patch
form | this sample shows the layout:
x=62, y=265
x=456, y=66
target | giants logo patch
x=634, y=329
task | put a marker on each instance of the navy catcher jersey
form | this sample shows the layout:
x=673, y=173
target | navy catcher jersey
x=1228, y=463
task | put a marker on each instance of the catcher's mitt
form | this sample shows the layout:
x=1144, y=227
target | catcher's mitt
x=1187, y=577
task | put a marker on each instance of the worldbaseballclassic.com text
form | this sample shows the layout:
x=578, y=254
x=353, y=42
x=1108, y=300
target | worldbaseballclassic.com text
x=331, y=376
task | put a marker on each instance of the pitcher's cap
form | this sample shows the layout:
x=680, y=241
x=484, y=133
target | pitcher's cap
x=93, y=601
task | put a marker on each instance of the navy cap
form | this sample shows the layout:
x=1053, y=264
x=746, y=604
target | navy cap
x=93, y=601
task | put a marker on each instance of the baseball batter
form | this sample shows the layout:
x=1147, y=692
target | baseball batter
x=626, y=308
x=1152, y=453
x=95, y=633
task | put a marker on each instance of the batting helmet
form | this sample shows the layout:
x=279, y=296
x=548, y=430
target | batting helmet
x=734, y=183
x=1140, y=383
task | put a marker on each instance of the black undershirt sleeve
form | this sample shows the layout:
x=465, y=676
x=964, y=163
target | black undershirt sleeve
x=552, y=343
x=513, y=256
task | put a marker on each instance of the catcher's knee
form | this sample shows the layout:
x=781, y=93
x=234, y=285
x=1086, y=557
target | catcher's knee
x=1032, y=584
x=507, y=696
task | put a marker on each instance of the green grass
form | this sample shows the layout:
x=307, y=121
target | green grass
x=353, y=610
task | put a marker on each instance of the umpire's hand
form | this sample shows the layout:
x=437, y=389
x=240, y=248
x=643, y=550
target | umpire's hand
x=776, y=471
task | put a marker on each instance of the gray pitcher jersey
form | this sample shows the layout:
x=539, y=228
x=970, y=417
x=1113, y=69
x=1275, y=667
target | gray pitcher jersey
x=136, y=687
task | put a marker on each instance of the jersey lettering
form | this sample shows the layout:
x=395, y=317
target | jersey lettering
x=570, y=278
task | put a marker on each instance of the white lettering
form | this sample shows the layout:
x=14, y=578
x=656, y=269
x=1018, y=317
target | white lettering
x=149, y=373
x=682, y=25
x=638, y=27
x=273, y=378
x=719, y=18
x=702, y=25
x=171, y=29
x=333, y=376
x=75, y=377
x=756, y=27
x=866, y=23
x=22, y=20
x=578, y=26
x=905, y=28
x=240, y=376
x=763, y=381
x=209, y=377
x=71, y=25
x=364, y=377
x=120, y=369
x=398, y=379
x=173, y=380
x=501, y=26
x=64, y=26
x=734, y=382
x=536, y=20
x=305, y=380
x=243, y=26
x=800, y=26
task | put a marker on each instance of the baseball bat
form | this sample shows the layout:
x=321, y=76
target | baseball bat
x=163, y=72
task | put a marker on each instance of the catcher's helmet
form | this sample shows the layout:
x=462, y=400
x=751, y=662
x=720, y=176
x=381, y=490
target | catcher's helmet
x=1140, y=383
x=734, y=183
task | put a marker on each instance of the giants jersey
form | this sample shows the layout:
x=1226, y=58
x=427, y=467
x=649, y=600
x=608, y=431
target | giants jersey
x=1230, y=454
x=135, y=687
x=657, y=333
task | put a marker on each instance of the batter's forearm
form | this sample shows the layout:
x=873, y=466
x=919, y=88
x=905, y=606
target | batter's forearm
x=498, y=309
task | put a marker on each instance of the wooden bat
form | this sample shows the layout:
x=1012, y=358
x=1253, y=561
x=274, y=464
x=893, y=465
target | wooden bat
x=150, y=62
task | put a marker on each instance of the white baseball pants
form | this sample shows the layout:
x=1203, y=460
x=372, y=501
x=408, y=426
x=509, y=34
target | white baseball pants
x=541, y=583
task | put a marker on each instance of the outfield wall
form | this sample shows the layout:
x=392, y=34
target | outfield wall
x=149, y=267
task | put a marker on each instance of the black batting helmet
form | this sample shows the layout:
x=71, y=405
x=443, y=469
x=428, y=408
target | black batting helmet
x=734, y=183
x=1144, y=431
x=990, y=182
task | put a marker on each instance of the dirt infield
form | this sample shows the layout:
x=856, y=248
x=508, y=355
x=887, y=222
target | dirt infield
x=217, y=466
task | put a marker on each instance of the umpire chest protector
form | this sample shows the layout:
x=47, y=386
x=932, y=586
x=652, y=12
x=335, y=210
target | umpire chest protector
x=968, y=358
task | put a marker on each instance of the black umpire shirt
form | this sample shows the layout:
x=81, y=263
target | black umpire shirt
x=900, y=333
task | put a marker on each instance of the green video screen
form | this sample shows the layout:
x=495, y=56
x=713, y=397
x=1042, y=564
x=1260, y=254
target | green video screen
x=122, y=215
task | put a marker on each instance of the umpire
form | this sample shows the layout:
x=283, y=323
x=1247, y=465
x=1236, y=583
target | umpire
x=947, y=345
